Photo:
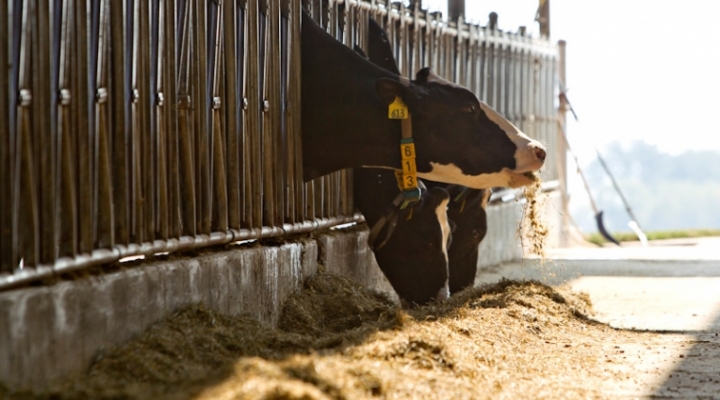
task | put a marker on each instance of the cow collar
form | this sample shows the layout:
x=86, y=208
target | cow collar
x=410, y=187
x=407, y=175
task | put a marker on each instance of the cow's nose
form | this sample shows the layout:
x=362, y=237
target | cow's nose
x=540, y=153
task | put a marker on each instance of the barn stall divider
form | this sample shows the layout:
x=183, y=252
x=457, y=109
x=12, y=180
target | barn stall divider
x=137, y=128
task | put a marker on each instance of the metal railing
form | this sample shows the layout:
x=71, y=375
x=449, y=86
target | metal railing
x=139, y=127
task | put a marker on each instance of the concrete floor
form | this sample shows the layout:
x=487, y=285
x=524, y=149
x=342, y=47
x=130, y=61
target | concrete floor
x=670, y=286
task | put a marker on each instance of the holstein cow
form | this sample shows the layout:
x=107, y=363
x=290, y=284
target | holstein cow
x=410, y=244
x=467, y=212
x=466, y=209
x=457, y=138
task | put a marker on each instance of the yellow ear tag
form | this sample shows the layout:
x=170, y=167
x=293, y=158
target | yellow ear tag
x=397, y=109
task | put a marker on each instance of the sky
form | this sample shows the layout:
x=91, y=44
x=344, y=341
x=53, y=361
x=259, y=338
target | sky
x=636, y=69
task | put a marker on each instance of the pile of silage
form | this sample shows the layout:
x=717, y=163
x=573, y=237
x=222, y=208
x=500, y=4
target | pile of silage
x=337, y=340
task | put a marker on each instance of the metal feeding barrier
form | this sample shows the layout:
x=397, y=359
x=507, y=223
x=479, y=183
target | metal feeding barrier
x=133, y=127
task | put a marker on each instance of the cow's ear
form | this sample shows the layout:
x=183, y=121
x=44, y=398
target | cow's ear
x=387, y=89
x=422, y=75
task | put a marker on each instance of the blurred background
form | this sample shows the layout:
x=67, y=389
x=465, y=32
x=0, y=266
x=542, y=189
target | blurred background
x=644, y=80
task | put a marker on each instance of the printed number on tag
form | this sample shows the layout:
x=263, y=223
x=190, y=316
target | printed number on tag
x=397, y=109
x=409, y=167
x=407, y=151
x=409, y=182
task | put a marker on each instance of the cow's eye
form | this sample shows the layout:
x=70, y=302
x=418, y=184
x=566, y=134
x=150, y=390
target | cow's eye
x=470, y=109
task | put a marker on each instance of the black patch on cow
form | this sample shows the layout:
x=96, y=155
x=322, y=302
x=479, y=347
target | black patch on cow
x=412, y=259
x=344, y=116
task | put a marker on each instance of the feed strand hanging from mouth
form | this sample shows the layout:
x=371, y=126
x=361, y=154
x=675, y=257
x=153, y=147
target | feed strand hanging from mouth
x=533, y=225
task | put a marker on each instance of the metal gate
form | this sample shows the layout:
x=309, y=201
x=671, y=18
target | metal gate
x=137, y=127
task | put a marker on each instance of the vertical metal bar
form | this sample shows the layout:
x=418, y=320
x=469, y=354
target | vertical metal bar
x=449, y=56
x=219, y=181
x=66, y=211
x=104, y=231
x=475, y=59
x=252, y=135
x=459, y=59
x=270, y=97
x=119, y=129
x=158, y=116
x=294, y=106
x=456, y=9
x=43, y=135
x=504, y=74
x=169, y=69
x=404, y=44
x=532, y=93
x=428, y=41
x=417, y=42
x=549, y=117
x=230, y=97
x=186, y=132
x=6, y=152
x=137, y=215
x=483, y=68
x=287, y=186
x=561, y=146
x=81, y=115
x=145, y=140
x=201, y=118
x=25, y=212
x=490, y=65
x=516, y=82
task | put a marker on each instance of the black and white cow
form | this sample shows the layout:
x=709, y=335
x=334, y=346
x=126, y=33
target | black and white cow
x=411, y=249
x=457, y=138
x=466, y=209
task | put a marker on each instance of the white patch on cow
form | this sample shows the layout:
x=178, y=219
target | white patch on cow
x=525, y=158
x=450, y=173
x=441, y=212
x=485, y=199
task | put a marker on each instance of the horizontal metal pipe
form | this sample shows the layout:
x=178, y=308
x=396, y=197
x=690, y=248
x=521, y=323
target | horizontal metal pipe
x=104, y=256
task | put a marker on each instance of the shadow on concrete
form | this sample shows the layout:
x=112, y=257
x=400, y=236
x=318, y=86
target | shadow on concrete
x=664, y=296
x=698, y=374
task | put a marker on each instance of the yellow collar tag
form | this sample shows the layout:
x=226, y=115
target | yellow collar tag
x=398, y=109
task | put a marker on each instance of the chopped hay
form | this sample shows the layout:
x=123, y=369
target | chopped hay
x=533, y=225
x=337, y=340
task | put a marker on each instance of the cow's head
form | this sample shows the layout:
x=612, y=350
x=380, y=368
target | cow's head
x=414, y=258
x=461, y=140
x=467, y=210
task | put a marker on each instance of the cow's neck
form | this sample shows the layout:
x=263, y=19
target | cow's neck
x=345, y=125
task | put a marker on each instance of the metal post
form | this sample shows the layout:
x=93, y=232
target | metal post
x=543, y=18
x=456, y=9
x=561, y=147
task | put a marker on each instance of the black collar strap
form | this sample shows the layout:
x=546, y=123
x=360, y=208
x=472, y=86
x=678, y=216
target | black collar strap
x=407, y=176
x=408, y=183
